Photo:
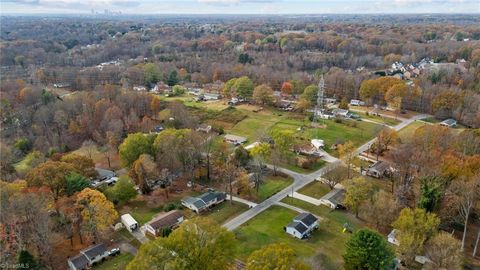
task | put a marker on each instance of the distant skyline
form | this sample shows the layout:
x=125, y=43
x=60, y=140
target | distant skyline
x=239, y=6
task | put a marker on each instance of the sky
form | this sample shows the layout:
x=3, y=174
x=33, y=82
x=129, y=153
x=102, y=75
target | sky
x=239, y=6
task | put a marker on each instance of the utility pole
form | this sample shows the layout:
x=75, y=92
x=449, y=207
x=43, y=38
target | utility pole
x=320, y=94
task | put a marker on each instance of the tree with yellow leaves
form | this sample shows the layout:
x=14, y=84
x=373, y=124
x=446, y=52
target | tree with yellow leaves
x=97, y=212
x=275, y=256
x=346, y=152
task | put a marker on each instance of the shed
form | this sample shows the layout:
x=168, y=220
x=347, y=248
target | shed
x=130, y=223
x=317, y=143
x=333, y=199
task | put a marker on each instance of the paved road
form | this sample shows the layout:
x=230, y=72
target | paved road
x=300, y=180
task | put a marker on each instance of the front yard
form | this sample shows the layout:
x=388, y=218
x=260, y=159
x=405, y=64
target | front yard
x=225, y=211
x=315, y=189
x=119, y=262
x=271, y=185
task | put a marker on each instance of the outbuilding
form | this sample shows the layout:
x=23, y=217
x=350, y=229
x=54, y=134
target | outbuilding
x=129, y=222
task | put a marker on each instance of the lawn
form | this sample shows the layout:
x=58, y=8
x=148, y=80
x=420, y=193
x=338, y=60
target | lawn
x=408, y=131
x=384, y=120
x=226, y=211
x=117, y=263
x=125, y=235
x=331, y=238
x=255, y=125
x=315, y=189
x=271, y=185
x=140, y=211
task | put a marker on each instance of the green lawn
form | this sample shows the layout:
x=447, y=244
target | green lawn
x=271, y=185
x=118, y=262
x=315, y=189
x=385, y=120
x=125, y=235
x=255, y=125
x=226, y=211
x=331, y=238
x=408, y=131
x=140, y=211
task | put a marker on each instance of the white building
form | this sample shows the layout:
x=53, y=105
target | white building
x=317, y=143
x=302, y=225
x=129, y=222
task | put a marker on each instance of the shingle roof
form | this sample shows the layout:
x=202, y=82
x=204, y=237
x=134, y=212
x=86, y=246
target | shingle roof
x=335, y=196
x=166, y=220
x=306, y=218
x=207, y=197
x=94, y=251
x=198, y=203
x=298, y=226
x=79, y=261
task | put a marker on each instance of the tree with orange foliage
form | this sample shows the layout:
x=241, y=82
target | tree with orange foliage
x=287, y=88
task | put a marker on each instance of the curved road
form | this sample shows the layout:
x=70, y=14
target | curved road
x=300, y=180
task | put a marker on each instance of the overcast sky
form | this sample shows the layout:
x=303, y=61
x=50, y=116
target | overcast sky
x=240, y=6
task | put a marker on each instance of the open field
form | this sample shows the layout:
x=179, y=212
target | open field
x=408, y=131
x=384, y=120
x=271, y=185
x=118, y=262
x=141, y=212
x=315, y=189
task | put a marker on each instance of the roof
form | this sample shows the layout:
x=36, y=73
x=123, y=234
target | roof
x=95, y=250
x=128, y=219
x=104, y=173
x=335, y=196
x=166, y=220
x=340, y=111
x=79, y=261
x=298, y=226
x=306, y=218
x=317, y=143
x=449, y=122
x=231, y=137
x=380, y=166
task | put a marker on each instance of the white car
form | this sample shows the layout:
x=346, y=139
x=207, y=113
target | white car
x=111, y=181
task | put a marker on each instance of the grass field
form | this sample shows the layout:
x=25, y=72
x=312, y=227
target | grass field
x=226, y=211
x=271, y=185
x=141, y=212
x=119, y=262
x=384, y=120
x=125, y=235
x=315, y=189
x=408, y=131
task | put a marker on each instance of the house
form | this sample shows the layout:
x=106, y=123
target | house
x=449, y=123
x=139, y=88
x=252, y=145
x=204, y=128
x=104, y=174
x=392, y=237
x=333, y=199
x=341, y=113
x=204, y=201
x=324, y=114
x=379, y=169
x=317, y=143
x=130, y=223
x=88, y=257
x=211, y=96
x=302, y=225
x=356, y=102
x=168, y=220
x=234, y=139
x=307, y=150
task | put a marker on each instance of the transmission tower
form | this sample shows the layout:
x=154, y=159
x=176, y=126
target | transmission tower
x=319, y=106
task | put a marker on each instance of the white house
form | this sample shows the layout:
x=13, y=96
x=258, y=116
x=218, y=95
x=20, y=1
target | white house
x=341, y=112
x=168, y=220
x=130, y=223
x=333, y=199
x=302, y=225
x=234, y=139
x=356, y=102
x=317, y=143
x=449, y=123
x=88, y=257
x=204, y=201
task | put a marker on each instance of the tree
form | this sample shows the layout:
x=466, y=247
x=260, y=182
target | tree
x=445, y=102
x=444, y=252
x=98, y=213
x=198, y=244
x=178, y=90
x=283, y=141
x=76, y=182
x=431, y=194
x=84, y=165
x=52, y=174
x=123, y=191
x=346, y=152
x=287, y=88
x=335, y=176
x=135, y=145
x=229, y=89
x=386, y=137
x=414, y=228
x=367, y=249
x=143, y=171
x=275, y=256
x=152, y=74
x=382, y=212
x=244, y=87
x=241, y=156
x=26, y=259
x=358, y=191
x=343, y=104
x=263, y=94
x=260, y=153
x=172, y=78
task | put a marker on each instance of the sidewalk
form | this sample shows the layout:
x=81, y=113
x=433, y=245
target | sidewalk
x=240, y=200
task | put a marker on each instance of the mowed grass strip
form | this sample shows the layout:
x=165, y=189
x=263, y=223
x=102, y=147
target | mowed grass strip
x=225, y=211
x=315, y=189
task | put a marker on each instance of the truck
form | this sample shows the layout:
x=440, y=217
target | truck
x=130, y=223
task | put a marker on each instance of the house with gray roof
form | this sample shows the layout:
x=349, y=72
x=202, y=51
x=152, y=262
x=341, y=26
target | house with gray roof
x=204, y=201
x=449, y=123
x=302, y=225
x=88, y=257
x=333, y=199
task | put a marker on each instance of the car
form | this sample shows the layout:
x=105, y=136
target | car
x=114, y=252
x=111, y=181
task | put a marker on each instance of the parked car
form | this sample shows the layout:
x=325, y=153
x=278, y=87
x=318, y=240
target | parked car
x=114, y=252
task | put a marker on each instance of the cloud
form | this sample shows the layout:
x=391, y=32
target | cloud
x=234, y=2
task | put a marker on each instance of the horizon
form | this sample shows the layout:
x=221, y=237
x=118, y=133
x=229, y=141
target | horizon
x=237, y=7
